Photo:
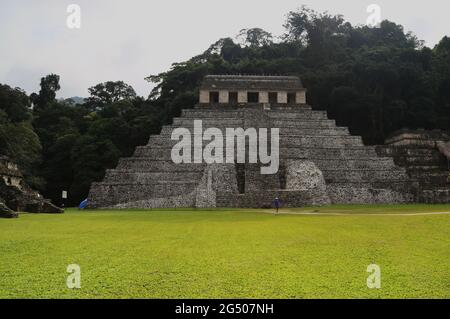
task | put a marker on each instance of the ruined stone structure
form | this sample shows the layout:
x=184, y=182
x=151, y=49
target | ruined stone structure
x=10, y=173
x=16, y=195
x=426, y=156
x=320, y=163
x=6, y=212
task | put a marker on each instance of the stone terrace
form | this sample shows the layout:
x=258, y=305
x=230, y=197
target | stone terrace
x=340, y=168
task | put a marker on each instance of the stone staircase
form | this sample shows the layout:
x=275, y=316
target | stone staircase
x=349, y=171
x=425, y=164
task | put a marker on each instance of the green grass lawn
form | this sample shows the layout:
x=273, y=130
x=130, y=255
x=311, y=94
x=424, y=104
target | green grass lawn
x=228, y=253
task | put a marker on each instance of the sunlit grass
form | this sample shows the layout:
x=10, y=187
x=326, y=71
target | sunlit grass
x=223, y=253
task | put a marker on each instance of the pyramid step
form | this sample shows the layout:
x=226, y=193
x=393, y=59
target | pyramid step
x=113, y=193
x=295, y=132
x=297, y=152
x=322, y=141
x=431, y=183
x=167, y=131
x=303, y=123
x=402, y=185
x=310, y=115
x=287, y=141
x=145, y=163
x=209, y=122
x=319, y=152
x=364, y=193
x=340, y=175
x=158, y=165
x=369, y=163
x=427, y=169
x=198, y=114
x=150, y=177
x=405, y=151
x=420, y=160
x=234, y=123
x=264, y=199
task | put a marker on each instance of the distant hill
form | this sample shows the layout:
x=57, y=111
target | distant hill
x=75, y=99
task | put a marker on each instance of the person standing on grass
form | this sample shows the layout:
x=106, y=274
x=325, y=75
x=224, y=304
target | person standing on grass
x=277, y=204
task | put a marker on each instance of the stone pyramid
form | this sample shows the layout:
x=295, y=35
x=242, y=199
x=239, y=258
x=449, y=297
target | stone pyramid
x=319, y=162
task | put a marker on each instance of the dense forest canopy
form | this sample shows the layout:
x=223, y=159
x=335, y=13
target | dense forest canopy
x=374, y=80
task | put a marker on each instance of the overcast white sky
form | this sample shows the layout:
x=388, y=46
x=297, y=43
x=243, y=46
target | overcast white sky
x=131, y=39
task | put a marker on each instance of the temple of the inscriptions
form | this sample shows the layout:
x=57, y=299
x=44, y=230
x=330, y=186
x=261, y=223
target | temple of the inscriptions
x=320, y=163
x=232, y=90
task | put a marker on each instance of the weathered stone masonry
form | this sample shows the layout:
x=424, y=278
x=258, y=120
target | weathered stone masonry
x=426, y=157
x=320, y=163
x=16, y=195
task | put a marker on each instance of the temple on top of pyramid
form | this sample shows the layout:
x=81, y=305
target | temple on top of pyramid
x=247, y=89
x=320, y=162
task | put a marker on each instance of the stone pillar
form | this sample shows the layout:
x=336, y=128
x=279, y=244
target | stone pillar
x=263, y=97
x=282, y=97
x=223, y=97
x=204, y=97
x=300, y=97
x=242, y=97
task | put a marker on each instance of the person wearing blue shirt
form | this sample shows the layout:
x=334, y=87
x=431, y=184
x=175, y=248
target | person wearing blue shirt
x=277, y=204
